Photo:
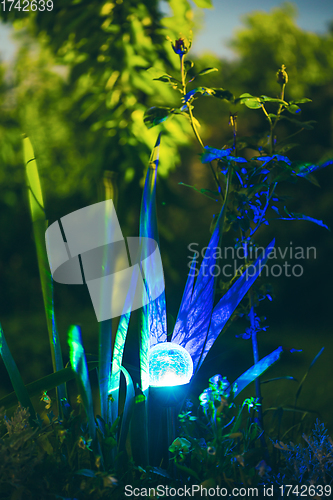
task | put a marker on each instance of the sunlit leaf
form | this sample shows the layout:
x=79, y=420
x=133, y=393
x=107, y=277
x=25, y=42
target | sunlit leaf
x=176, y=84
x=300, y=101
x=204, y=4
x=39, y=224
x=265, y=98
x=293, y=109
x=188, y=64
x=154, y=116
x=206, y=71
x=249, y=100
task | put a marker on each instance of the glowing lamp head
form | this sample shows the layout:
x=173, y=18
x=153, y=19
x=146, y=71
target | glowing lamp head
x=169, y=365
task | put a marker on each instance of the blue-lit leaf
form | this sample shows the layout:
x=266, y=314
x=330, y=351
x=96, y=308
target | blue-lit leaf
x=220, y=154
x=297, y=216
x=256, y=370
x=86, y=472
x=198, y=90
x=153, y=327
x=284, y=377
x=193, y=323
x=79, y=365
x=306, y=169
x=117, y=359
x=214, y=154
x=227, y=305
x=267, y=159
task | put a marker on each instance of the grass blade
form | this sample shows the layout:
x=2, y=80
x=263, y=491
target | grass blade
x=44, y=384
x=125, y=422
x=306, y=374
x=14, y=375
x=39, y=224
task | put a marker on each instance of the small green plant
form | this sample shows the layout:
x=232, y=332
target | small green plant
x=218, y=445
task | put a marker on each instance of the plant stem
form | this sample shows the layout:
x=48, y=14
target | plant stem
x=194, y=128
x=256, y=358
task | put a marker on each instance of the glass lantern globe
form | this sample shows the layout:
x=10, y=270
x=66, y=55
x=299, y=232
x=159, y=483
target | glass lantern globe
x=169, y=365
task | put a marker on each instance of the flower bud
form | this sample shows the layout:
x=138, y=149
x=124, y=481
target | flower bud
x=181, y=46
x=282, y=76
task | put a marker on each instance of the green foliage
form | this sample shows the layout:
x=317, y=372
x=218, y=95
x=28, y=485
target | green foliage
x=270, y=38
x=102, y=85
x=218, y=444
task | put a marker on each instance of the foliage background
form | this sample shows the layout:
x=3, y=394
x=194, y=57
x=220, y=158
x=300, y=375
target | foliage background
x=79, y=87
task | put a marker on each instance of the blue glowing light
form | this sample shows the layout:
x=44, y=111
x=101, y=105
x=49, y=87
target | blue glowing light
x=169, y=365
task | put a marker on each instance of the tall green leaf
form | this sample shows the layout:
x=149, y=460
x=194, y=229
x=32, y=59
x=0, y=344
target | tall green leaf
x=14, y=375
x=39, y=224
x=117, y=358
x=105, y=327
x=153, y=327
x=79, y=365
